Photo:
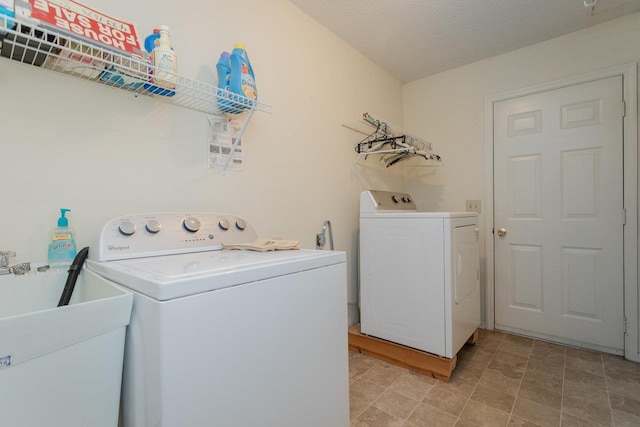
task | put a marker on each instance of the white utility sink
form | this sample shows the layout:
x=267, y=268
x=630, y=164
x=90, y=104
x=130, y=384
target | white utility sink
x=61, y=366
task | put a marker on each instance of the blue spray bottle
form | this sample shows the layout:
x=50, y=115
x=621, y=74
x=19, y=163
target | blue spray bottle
x=242, y=81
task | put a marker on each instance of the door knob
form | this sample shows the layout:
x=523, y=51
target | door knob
x=502, y=232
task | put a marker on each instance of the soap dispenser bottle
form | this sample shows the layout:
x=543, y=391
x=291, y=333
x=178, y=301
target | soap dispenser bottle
x=62, y=245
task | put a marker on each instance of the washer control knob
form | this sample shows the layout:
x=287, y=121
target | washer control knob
x=127, y=228
x=395, y=199
x=224, y=224
x=191, y=224
x=405, y=200
x=241, y=225
x=153, y=226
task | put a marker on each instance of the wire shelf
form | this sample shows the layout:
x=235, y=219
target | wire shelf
x=66, y=53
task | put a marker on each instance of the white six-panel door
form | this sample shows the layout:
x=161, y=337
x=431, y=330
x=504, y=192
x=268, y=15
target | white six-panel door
x=558, y=201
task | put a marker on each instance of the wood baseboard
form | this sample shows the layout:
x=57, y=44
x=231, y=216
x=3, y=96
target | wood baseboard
x=407, y=357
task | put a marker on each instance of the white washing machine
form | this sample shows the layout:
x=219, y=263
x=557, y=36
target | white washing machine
x=419, y=274
x=226, y=337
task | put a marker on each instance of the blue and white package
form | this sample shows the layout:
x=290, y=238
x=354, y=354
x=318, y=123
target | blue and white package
x=7, y=10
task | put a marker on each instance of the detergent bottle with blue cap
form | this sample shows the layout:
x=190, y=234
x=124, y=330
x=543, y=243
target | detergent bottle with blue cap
x=224, y=73
x=62, y=246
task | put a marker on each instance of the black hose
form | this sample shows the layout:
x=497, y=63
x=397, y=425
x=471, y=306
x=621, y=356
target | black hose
x=74, y=271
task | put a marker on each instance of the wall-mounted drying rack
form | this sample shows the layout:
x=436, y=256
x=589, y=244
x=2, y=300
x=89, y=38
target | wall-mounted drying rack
x=53, y=49
x=394, y=144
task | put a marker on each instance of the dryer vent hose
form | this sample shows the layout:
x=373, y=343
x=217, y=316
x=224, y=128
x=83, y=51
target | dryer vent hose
x=74, y=272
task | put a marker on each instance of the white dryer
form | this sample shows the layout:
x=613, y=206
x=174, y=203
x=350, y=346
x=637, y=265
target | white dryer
x=225, y=337
x=419, y=273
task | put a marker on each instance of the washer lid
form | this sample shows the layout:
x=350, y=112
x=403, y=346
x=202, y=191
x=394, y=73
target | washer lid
x=174, y=276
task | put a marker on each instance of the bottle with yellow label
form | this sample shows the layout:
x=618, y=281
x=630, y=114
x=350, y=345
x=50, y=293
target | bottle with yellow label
x=62, y=246
x=242, y=81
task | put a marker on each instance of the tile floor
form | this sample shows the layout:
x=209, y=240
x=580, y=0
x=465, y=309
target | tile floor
x=502, y=380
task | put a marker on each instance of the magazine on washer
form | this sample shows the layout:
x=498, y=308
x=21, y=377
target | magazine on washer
x=263, y=245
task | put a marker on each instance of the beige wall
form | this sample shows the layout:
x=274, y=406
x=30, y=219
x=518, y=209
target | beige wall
x=104, y=153
x=449, y=108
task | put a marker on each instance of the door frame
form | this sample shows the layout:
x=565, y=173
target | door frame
x=630, y=181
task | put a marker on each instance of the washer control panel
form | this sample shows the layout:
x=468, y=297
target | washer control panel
x=144, y=235
x=390, y=201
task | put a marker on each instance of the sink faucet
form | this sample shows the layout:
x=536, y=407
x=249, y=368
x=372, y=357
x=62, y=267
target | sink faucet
x=4, y=257
x=321, y=239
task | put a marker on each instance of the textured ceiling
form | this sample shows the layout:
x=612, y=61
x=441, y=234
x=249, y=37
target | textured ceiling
x=412, y=39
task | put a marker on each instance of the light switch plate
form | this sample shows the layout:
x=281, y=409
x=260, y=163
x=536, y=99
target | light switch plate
x=474, y=206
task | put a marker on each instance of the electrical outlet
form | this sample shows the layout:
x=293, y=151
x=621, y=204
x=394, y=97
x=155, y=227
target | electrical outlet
x=473, y=206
